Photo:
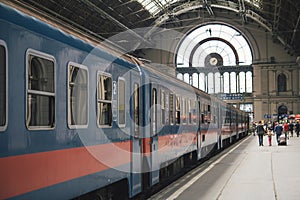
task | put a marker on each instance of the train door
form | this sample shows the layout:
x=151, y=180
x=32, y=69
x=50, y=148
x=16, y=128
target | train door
x=149, y=145
x=154, y=136
x=146, y=136
x=137, y=143
x=199, y=129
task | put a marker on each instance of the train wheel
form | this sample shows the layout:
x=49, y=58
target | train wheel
x=100, y=196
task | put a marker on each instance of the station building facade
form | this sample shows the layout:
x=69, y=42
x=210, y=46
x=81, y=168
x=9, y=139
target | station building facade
x=274, y=89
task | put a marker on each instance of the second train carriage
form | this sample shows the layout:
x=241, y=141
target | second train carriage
x=77, y=118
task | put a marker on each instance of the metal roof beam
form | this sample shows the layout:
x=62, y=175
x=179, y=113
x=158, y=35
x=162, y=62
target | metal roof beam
x=242, y=10
x=277, y=7
x=100, y=11
x=295, y=30
x=125, y=3
x=207, y=5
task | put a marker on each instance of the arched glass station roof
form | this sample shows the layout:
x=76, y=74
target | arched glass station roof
x=219, y=39
x=155, y=6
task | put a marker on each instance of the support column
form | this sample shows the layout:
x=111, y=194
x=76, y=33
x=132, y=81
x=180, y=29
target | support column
x=214, y=83
x=191, y=79
x=275, y=80
x=229, y=83
x=206, y=83
x=222, y=83
x=198, y=80
x=237, y=79
x=245, y=78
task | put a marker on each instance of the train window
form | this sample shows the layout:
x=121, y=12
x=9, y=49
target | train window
x=163, y=107
x=104, y=100
x=214, y=119
x=177, y=110
x=136, y=109
x=171, y=110
x=184, y=111
x=190, y=102
x=194, y=112
x=40, y=90
x=121, y=95
x=77, y=96
x=3, y=86
x=203, y=111
x=154, y=111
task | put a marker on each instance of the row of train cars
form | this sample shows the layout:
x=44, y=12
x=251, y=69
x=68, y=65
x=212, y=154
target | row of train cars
x=80, y=121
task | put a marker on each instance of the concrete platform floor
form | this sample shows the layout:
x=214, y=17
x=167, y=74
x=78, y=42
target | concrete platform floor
x=241, y=172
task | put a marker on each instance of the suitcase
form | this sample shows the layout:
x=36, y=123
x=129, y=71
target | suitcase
x=282, y=140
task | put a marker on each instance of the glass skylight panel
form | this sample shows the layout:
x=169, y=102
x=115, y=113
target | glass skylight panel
x=242, y=80
x=256, y=3
x=233, y=82
x=226, y=82
x=249, y=81
x=155, y=6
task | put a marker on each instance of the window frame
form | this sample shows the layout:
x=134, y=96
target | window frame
x=136, y=104
x=4, y=127
x=122, y=79
x=154, y=97
x=100, y=73
x=177, y=110
x=163, y=106
x=76, y=126
x=281, y=82
x=40, y=54
x=184, y=110
x=171, y=109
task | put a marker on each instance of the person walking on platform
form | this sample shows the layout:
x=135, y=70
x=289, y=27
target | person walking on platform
x=286, y=129
x=260, y=132
x=278, y=131
x=291, y=128
x=297, y=128
x=270, y=133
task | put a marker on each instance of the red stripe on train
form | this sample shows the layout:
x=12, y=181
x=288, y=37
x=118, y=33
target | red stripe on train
x=25, y=173
x=168, y=142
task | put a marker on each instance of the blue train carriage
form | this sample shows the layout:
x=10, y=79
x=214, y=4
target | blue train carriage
x=170, y=125
x=66, y=126
x=244, y=124
x=208, y=123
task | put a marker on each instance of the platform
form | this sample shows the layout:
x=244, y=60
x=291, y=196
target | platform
x=243, y=171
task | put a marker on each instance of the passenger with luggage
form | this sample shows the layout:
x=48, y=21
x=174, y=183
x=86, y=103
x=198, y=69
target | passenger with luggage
x=282, y=139
x=278, y=131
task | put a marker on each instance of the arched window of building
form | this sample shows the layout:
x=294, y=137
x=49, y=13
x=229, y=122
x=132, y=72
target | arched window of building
x=211, y=46
x=281, y=83
x=282, y=111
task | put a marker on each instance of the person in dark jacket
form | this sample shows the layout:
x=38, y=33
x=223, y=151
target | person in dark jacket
x=278, y=131
x=291, y=128
x=297, y=128
x=260, y=132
